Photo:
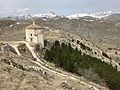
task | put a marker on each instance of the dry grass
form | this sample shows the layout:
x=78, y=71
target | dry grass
x=12, y=78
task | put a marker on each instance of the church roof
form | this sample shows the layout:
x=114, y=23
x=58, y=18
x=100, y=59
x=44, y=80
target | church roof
x=33, y=26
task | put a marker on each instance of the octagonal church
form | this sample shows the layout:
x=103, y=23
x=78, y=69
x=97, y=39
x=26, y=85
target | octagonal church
x=34, y=35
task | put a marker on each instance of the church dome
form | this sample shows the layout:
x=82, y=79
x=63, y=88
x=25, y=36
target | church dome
x=33, y=26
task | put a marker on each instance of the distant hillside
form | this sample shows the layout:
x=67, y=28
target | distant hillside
x=4, y=23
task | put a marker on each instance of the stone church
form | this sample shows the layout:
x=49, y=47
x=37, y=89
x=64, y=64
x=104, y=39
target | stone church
x=34, y=35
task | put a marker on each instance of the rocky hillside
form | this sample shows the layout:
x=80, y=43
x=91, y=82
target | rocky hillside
x=21, y=74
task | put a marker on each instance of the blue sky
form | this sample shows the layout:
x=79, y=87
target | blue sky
x=65, y=7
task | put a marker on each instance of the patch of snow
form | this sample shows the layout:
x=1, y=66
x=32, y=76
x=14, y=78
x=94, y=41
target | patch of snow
x=88, y=20
x=91, y=20
x=24, y=16
x=18, y=23
x=101, y=21
x=48, y=15
x=11, y=25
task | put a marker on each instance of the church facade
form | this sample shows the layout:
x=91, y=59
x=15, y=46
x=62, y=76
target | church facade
x=34, y=35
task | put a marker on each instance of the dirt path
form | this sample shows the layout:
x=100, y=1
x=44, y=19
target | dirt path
x=58, y=72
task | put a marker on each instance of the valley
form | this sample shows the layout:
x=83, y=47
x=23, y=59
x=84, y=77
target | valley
x=96, y=37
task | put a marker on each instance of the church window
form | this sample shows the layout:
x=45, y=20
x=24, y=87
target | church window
x=31, y=39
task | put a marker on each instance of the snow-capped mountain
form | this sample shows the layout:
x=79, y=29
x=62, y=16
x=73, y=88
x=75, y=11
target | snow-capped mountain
x=28, y=16
x=95, y=15
x=24, y=16
x=18, y=17
x=24, y=13
x=48, y=15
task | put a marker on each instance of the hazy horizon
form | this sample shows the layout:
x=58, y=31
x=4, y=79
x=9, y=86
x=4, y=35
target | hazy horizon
x=62, y=7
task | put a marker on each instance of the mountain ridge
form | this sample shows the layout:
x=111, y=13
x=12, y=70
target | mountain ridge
x=98, y=15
